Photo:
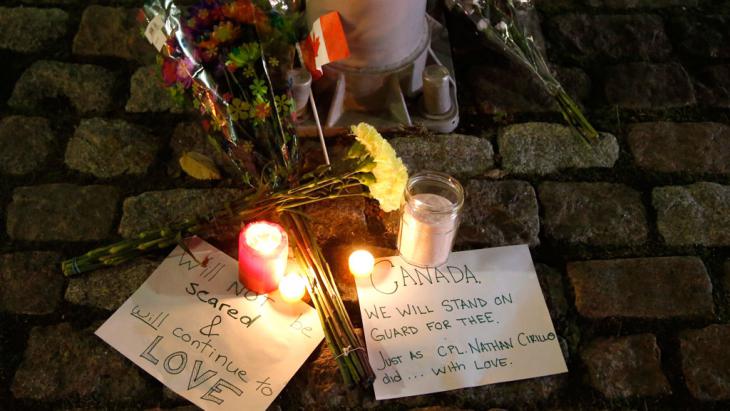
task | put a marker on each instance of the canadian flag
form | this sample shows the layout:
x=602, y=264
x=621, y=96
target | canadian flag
x=325, y=43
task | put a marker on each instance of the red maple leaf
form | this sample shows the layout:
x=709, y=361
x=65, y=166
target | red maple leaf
x=310, y=50
x=313, y=44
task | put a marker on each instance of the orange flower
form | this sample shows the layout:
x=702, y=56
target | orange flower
x=263, y=109
x=241, y=11
x=225, y=32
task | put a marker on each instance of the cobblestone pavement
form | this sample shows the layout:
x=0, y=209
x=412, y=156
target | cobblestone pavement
x=630, y=239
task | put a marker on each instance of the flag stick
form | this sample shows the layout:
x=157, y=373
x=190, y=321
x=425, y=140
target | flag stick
x=313, y=104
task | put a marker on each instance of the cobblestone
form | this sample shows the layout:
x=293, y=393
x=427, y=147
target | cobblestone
x=319, y=385
x=31, y=30
x=612, y=37
x=626, y=367
x=507, y=394
x=726, y=285
x=644, y=288
x=705, y=363
x=87, y=87
x=61, y=362
x=109, y=288
x=693, y=214
x=593, y=213
x=499, y=90
x=544, y=148
x=62, y=212
x=498, y=213
x=110, y=148
x=641, y=4
x=25, y=143
x=454, y=154
x=681, y=147
x=35, y=270
x=713, y=86
x=50, y=2
x=644, y=86
x=148, y=93
x=112, y=32
x=341, y=219
x=157, y=209
x=551, y=283
x=705, y=36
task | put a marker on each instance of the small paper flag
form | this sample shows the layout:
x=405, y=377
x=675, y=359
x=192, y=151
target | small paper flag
x=325, y=43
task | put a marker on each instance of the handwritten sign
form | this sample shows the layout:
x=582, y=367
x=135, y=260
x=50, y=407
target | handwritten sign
x=195, y=328
x=478, y=319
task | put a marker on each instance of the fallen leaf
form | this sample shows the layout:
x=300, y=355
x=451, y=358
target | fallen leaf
x=199, y=166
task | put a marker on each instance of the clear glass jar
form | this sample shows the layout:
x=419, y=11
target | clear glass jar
x=430, y=216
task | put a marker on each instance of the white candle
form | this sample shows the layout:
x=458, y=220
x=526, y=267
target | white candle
x=428, y=227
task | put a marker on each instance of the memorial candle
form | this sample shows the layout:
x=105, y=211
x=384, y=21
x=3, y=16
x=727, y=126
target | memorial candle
x=429, y=218
x=263, y=249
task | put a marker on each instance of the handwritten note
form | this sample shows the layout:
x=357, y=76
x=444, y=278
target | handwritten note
x=195, y=328
x=478, y=319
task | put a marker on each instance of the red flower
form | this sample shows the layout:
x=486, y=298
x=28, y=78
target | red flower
x=141, y=18
x=169, y=72
x=177, y=71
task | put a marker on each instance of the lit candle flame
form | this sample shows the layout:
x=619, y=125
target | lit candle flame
x=263, y=237
x=361, y=263
x=292, y=287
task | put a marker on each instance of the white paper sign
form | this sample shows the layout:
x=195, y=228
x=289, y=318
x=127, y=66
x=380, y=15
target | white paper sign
x=478, y=319
x=201, y=333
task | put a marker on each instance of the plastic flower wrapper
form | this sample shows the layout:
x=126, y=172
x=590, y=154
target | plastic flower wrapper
x=232, y=58
x=497, y=21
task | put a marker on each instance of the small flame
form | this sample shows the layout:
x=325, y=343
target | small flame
x=263, y=237
x=292, y=287
x=361, y=263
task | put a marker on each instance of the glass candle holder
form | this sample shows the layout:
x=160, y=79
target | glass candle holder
x=430, y=215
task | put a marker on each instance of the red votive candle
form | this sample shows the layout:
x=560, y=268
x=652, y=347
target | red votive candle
x=263, y=249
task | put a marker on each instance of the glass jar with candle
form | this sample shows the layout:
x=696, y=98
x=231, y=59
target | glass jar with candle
x=429, y=220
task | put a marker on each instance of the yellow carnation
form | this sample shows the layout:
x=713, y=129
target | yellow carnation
x=390, y=174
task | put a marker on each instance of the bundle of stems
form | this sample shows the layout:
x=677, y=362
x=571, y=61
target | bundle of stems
x=316, y=186
x=497, y=21
x=347, y=348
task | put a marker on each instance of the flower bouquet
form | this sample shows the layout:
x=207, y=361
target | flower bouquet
x=497, y=21
x=231, y=58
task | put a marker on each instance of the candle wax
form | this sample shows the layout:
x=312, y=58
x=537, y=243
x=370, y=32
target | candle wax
x=427, y=230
